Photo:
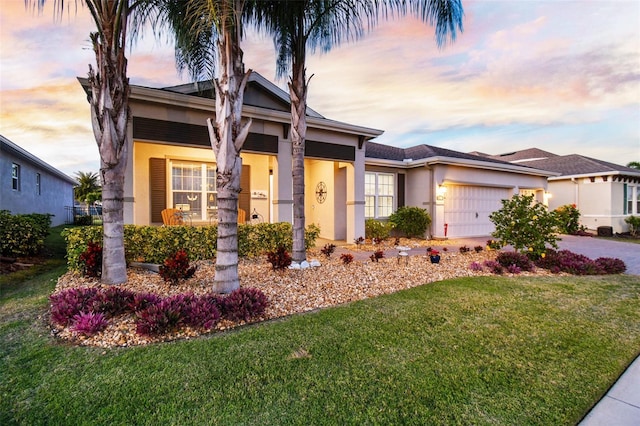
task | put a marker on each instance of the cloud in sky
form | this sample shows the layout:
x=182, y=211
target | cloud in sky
x=563, y=77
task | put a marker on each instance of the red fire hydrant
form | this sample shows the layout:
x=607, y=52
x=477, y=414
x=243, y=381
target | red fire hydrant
x=446, y=227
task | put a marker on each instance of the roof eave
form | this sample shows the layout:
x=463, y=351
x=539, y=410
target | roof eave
x=594, y=174
x=147, y=94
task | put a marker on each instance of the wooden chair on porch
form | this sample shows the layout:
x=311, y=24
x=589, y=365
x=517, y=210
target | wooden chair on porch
x=242, y=216
x=172, y=217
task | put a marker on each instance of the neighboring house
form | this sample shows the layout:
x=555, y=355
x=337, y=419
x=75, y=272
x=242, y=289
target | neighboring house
x=348, y=178
x=29, y=185
x=458, y=190
x=605, y=193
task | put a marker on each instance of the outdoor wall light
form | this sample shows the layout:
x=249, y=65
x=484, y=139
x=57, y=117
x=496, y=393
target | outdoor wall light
x=441, y=192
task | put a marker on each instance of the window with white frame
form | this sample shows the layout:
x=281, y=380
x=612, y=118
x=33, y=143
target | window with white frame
x=631, y=199
x=15, y=176
x=38, y=182
x=379, y=192
x=193, y=188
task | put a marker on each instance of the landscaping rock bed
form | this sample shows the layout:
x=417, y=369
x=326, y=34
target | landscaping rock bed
x=289, y=292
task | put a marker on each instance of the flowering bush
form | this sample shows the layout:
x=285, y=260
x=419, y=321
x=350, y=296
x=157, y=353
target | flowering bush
x=526, y=225
x=91, y=260
x=568, y=217
x=176, y=268
x=88, y=323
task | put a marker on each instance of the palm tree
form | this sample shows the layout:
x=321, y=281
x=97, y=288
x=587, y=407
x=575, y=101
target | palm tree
x=109, y=102
x=207, y=38
x=308, y=24
x=87, y=184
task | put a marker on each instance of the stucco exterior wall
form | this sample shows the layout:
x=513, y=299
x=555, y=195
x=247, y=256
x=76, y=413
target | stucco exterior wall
x=55, y=195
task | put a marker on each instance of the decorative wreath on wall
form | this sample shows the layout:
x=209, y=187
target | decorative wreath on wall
x=321, y=192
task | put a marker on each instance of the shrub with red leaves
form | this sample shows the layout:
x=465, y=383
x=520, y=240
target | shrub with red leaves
x=578, y=264
x=494, y=266
x=142, y=301
x=279, y=259
x=244, y=304
x=113, y=301
x=68, y=303
x=176, y=268
x=161, y=317
x=521, y=261
x=610, y=265
x=201, y=311
x=377, y=255
x=346, y=258
x=89, y=323
x=91, y=260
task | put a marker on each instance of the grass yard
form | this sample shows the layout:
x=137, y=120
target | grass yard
x=484, y=350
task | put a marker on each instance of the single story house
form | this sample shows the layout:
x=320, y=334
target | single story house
x=29, y=185
x=348, y=178
x=458, y=190
x=605, y=193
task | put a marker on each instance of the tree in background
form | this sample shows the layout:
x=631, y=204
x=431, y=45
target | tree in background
x=88, y=189
x=310, y=24
x=634, y=165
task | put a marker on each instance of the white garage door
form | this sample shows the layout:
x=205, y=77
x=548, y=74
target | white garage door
x=467, y=209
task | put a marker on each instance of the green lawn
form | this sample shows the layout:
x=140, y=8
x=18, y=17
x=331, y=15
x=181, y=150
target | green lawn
x=465, y=351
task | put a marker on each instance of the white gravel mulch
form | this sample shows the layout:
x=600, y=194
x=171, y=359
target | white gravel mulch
x=289, y=292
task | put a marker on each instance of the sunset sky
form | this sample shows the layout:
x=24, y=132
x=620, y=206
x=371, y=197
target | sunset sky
x=563, y=76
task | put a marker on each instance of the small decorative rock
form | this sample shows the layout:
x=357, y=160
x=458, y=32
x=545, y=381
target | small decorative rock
x=314, y=263
x=304, y=264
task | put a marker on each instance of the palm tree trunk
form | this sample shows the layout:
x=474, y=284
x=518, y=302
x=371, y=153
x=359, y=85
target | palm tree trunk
x=227, y=136
x=298, y=95
x=110, y=115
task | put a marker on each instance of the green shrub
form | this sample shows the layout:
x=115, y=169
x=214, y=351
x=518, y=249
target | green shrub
x=526, y=225
x=377, y=229
x=153, y=244
x=568, y=217
x=23, y=234
x=634, y=225
x=411, y=221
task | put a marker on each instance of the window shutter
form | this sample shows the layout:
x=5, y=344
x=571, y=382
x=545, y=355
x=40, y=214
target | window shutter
x=157, y=188
x=244, y=198
x=401, y=190
x=624, y=192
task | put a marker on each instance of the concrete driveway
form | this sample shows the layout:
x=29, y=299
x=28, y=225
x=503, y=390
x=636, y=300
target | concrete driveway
x=593, y=248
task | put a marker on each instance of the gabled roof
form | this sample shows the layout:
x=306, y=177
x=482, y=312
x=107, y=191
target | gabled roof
x=575, y=164
x=8, y=146
x=565, y=165
x=524, y=155
x=420, y=155
x=260, y=93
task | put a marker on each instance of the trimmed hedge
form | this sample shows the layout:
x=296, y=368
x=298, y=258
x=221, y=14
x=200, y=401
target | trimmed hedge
x=153, y=244
x=23, y=234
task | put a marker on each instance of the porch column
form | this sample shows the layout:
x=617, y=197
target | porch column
x=283, y=185
x=355, y=197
